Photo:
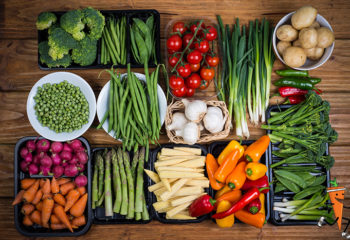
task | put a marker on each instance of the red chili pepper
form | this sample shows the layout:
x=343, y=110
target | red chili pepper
x=296, y=99
x=254, y=206
x=291, y=91
x=259, y=183
x=201, y=206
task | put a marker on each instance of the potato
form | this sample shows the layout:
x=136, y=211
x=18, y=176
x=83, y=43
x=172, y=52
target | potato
x=315, y=24
x=297, y=43
x=308, y=37
x=282, y=45
x=286, y=33
x=314, y=53
x=294, y=56
x=325, y=37
x=304, y=17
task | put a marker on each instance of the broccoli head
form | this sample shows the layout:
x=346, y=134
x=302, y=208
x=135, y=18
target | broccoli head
x=72, y=23
x=85, y=53
x=53, y=27
x=45, y=20
x=60, y=43
x=95, y=22
x=46, y=59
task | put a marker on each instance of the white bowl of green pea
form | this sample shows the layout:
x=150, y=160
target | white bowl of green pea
x=61, y=106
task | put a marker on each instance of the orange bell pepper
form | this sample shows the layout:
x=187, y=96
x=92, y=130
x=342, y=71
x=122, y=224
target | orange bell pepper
x=256, y=220
x=212, y=166
x=232, y=196
x=228, y=149
x=227, y=166
x=237, y=177
x=255, y=170
x=254, y=152
x=222, y=191
x=227, y=221
x=262, y=200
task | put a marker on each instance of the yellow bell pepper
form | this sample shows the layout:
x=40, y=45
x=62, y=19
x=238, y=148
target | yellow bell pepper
x=262, y=200
x=228, y=149
x=255, y=170
x=226, y=221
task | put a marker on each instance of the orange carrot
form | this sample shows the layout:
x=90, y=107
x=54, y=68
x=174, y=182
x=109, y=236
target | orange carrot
x=55, y=188
x=42, y=182
x=46, y=212
x=54, y=219
x=57, y=226
x=79, y=207
x=27, y=221
x=71, y=198
x=38, y=196
x=65, y=188
x=47, y=187
x=27, y=208
x=39, y=206
x=62, y=181
x=79, y=221
x=62, y=216
x=27, y=182
x=30, y=193
x=81, y=190
x=36, y=217
x=47, y=195
x=59, y=199
x=18, y=197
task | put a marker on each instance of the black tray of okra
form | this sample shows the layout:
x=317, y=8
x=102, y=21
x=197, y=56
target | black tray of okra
x=277, y=197
x=161, y=216
x=36, y=230
x=130, y=14
x=98, y=214
x=217, y=147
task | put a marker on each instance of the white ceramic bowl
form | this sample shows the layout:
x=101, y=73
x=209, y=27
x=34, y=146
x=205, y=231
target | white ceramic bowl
x=309, y=64
x=58, y=77
x=102, y=102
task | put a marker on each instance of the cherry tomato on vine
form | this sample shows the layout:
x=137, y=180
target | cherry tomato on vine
x=207, y=73
x=193, y=81
x=210, y=33
x=195, y=67
x=176, y=82
x=186, y=39
x=204, y=84
x=194, y=26
x=179, y=27
x=212, y=61
x=190, y=92
x=202, y=45
x=171, y=51
x=173, y=59
x=184, y=70
x=174, y=42
x=194, y=57
x=179, y=92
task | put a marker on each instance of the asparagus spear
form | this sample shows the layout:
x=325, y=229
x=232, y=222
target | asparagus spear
x=145, y=215
x=134, y=164
x=139, y=182
x=95, y=184
x=124, y=205
x=108, y=187
x=131, y=193
x=137, y=216
x=116, y=183
x=100, y=175
x=100, y=200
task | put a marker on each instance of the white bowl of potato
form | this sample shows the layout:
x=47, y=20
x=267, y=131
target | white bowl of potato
x=303, y=39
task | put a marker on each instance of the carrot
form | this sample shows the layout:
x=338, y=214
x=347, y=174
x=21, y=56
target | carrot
x=47, y=195
x=62, y=181
x=27, y=182
x=27, y=208
x=79, y=207
x=36, y=217
x=30, y=193
x=46, y=212
x=62, y=216
x=65, y=188
x=54, y=219
x=59, y=199
x=27, y=221
x=38, y=196
x=79, y=221
x=39, y=206
x=57, y=226
x=46, y=187
x=55, y=188
x=42, y=182
x=212, y=165
x=81, y=190
x=18, y=197
x=71, y=198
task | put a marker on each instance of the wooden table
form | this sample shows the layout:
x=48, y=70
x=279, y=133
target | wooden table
x=19, y=71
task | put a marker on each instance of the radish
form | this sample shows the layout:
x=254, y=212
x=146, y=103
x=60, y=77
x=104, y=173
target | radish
x=74, y=160
x=33, y=169
x=83, y=157
x=36, y=159
x=42, y=154
x=23, y=152
x=31, y=145
x=24, y=166
x=29, y=157
x=64, y=163
x=56, y=147
x=75, y=144
x=57, y=171
x=81, y=149
x=81, y=180
x=81, y=167
x=44, y=170
x=46, y=161
x=67, y=148
x=43, y=145
x=65, y=155
x=71, y=170
x=56, y=159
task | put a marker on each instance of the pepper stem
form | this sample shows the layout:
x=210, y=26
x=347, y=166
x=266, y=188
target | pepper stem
x=262, y=189
x=253, y=210
x=212, y=201
x=249, y=159
x=249, y=172
x=231, y=185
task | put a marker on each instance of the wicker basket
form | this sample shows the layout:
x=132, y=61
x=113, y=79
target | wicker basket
x=205, y=136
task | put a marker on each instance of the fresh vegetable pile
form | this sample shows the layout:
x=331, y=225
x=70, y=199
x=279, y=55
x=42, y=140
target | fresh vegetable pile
x=55, y=204
x=191, y=59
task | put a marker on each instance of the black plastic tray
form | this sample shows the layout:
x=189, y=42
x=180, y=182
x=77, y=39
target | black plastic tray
x=142, y=14
x=217, y=147
x=37, y=231
x=275, y=219
x=99, y=213
x=161, y=216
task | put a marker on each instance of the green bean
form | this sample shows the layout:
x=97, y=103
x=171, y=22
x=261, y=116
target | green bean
x=103, y=119
x=288, y=184
x=116, y=107
x=291, y=177
x=110, y=106
x=307, y=192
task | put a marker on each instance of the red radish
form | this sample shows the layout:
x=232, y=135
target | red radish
x=42, y=154
x=67, y=148
x=82, y=156
x=64, y=163
x=56, y=147
x=24, y=166
x=56, y=159
x=81, y=149
x=81, y=167
x=75, y=144
x=31, y=145
x=23, y=152
x=46, y=161
x=29, y=157
x=33, y=169
x=70, y=170
x=81, y=180
x=43, y=145
x=74, y=160
x=57, y=171
x=36, y=159
x=44, y=170
x=65, y=155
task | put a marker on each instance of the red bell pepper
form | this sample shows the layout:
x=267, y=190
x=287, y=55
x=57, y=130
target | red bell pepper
x=291, y=91
x=201, y=206
x=254, y=206
x=259, y=183
x=296, y=99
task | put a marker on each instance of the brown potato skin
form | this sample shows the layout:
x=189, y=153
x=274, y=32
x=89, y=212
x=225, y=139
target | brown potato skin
x=286, y=33
x=314, y=53
x=304, y=17
x=294, y=56
x=308, y=37
x=282, y=46
x=325, y=37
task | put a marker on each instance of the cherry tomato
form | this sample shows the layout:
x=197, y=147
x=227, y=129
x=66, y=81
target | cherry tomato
x=213, y=61
x=194, y=27
x=193, y=81
x=174, y=42
x=186, y=39
x=207, y=73
x=195, y=67
x=194, y=56
x=184, y=70
x=171, y=51
x=179, y=92
x=179, y=27
x=204, y=84
x=210, y=33
x=176, y=82
x=190, y=92
x=173, y=59
x=202, y=45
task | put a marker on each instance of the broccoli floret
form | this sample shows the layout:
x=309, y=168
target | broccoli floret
x=45, y=20
x=60, y=43
x=95, y=21
x=46, y=59
x=326, y=161
x=53, y=27
x=85, y=54
x=72, y=23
